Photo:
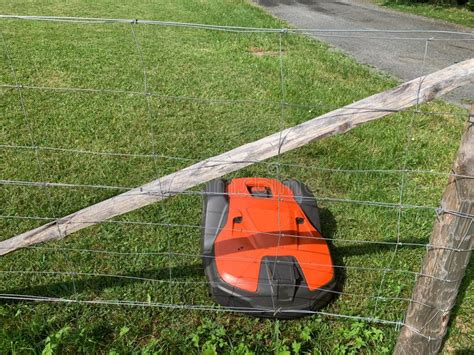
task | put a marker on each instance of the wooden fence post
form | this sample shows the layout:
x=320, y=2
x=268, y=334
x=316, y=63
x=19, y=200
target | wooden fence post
x=445, y=262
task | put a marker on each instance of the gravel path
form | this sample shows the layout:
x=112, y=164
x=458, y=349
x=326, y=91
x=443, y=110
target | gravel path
x=401, y=58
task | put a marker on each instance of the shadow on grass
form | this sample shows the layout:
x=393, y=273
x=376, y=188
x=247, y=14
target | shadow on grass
x=99, y=283
x=458, y=311
x=329, y=228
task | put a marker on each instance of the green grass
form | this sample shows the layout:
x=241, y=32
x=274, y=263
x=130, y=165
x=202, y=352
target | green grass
x=203, y=64
x=450, y=13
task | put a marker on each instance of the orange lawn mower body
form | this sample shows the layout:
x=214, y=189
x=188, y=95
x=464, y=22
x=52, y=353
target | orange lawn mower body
x=262, y=247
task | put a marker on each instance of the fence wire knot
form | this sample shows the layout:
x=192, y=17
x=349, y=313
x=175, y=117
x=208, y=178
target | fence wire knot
x=440, y=211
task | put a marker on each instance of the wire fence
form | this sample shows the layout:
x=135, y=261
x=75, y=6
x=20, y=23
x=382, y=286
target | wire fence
x=42, y=178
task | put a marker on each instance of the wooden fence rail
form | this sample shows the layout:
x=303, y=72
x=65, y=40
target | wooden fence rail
x=419, y=90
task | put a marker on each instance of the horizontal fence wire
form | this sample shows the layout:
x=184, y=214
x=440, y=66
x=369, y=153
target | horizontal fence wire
x=223, y=101
x=188, y=307
x=213, y=283
x=164, y=193
x=240, y=29
x=427, y=36
x=212, y=160
x=255, y=310
x=244, y=259
x=263, y=234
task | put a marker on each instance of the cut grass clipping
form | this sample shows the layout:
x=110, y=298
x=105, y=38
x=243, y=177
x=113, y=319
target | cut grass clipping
x=232, y=73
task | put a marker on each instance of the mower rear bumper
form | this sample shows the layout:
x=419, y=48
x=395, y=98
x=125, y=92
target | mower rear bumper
x=267, y=301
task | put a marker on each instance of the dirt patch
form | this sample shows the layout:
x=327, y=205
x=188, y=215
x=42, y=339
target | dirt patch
x=260, y=52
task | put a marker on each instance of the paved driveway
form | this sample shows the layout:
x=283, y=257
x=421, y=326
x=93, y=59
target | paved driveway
x=402, y=58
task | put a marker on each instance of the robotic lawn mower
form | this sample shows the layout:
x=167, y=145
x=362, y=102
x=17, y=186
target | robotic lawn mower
x=262, y=247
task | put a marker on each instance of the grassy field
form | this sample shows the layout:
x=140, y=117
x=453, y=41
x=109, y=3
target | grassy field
x=455, y=14
x=237, y=79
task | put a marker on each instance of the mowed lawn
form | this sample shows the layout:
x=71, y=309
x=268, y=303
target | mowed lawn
x=211, y=91
x=460, y=14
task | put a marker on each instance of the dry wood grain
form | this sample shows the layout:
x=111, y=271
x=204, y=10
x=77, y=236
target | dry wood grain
x=427, y=321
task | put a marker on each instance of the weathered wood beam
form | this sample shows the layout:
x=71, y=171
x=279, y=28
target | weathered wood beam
x=435, y=294
x=339, y=121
